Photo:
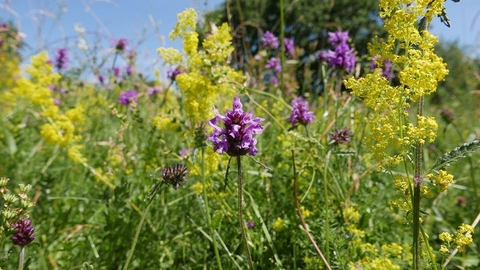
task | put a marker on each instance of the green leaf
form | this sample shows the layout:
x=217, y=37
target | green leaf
x=12, y=145
x=454, y=155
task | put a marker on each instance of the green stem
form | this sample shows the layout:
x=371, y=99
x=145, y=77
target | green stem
x=207, y=212
x=22, y=258
x=416, y=195
x=327, y=216
x=139, y=228
x=300, y=215
x=282, y=45
x=240, y=213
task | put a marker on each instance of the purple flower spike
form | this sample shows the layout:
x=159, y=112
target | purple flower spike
x=23, y=234
x=61, y=59
x=173, y=73
x=274, y=64
x=270, y=40
x=153, y=90
x=128, y=97
x=337, y=38
x=289, y=46
x=101, y=79
x=300, y=112
x=120, y=44
x=236, y=137
x=342, y=56
x=386, y=68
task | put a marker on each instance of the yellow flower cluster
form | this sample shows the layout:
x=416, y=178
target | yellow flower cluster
x=420, y=69
x=278, y=224
x=442, y=179
x=462, y=237
x=59, y=128
x=207, y=75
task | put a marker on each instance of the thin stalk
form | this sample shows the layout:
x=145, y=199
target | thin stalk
x=22, y=258
x=240, y=213
x=416, y=195
x=327, y=216
x=139, y=227
x=207, y=212
x=302, y=220
x=282, y=45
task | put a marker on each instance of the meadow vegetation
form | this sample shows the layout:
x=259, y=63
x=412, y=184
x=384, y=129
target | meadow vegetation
x=229, y=161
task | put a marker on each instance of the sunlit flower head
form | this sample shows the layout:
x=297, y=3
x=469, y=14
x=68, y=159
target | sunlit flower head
x=236, y=136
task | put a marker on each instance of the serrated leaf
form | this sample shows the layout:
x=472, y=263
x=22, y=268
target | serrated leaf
x=452, y=156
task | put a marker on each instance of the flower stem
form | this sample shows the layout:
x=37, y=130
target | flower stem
x=282, y=43
x=22, y=258
x=416, y=195
x=139, y=227
x=240, y=214
x=302, y=220
x=207, y=212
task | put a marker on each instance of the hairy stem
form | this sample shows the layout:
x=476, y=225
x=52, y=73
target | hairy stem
x=416, y=195
x=140, y=225
x=240, y=213
x=302, y=220
x=21, y=258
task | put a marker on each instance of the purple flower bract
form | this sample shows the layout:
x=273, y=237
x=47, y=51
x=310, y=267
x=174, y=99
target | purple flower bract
x=270, y=40
x=301, y=114
x=23, y=234
x=128, y=97
x=61, y=58
x=236, y=136
x=274, y=64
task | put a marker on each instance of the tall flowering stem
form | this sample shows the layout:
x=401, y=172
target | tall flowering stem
x=236, y=139
x=302, y=220
x=171, y=176
x=393, y=136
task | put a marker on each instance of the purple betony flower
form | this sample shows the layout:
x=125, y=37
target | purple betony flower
x=270, y=40
x=128, y=97
x=274, y=64
x=289, y=46
x=153, y=90
x=120, y=44
x=61, y=59
x=129, y=70
x=386, y=68
x=23, y=234
x=301, y=114
x=173, y=73
x=236, y=136
x=338, y=37
x=342, y=56
x=101, y=79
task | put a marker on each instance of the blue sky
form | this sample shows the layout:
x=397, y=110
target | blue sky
x=50, y=23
